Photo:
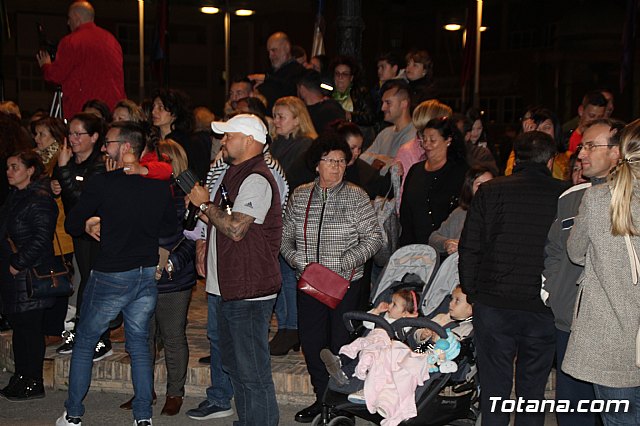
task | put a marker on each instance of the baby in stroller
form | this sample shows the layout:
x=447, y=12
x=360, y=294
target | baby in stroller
x=434, y=353
x=404, y=304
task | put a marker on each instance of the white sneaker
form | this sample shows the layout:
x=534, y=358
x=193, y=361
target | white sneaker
x=65, y=420
x=357, y=397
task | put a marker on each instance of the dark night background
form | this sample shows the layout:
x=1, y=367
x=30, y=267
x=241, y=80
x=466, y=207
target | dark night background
x=543, y=52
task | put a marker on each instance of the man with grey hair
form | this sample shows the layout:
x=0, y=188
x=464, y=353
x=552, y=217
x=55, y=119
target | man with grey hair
x=285, y=72
x=501, y=261
x=88, y=62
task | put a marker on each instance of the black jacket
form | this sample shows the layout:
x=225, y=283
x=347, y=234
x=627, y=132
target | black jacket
x=183, y=252
x=428, y=199
x=29, y=219
x=282, y=82
x=73, y=177
x=502, y=243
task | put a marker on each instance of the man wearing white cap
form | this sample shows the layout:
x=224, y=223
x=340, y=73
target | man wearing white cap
x=242, y=264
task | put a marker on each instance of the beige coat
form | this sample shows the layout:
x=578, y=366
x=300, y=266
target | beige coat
x=607, y=313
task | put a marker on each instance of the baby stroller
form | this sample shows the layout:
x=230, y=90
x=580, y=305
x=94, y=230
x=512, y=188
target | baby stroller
x=410, y=267
x=446, y=398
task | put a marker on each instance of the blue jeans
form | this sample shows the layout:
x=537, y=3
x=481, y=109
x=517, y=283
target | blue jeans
x=568, y=388
x=244, y=327
x=220, y=392
x=286, y=304
x=632, y=417
x=134, y=293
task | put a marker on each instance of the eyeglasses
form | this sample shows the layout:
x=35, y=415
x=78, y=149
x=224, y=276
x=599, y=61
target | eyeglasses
x=339, y=74
x=590, y=146
x=106, y=142
x=341, y=162
x=77, y=134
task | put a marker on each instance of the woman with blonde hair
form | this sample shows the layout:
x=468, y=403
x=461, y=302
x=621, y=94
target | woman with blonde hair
x=292, y=137
x=605, y=238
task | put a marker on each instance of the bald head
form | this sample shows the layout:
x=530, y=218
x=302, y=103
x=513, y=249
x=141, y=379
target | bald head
x=80, y=12
x=279, y=48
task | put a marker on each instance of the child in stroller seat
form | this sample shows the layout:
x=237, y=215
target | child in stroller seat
x=404, y=304
x=438, y=357
x=457, y=319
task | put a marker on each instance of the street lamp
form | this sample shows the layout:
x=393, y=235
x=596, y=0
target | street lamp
x=212, y=10
x=477, y=28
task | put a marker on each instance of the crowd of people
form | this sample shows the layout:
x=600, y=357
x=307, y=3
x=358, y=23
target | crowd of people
x=288, y=177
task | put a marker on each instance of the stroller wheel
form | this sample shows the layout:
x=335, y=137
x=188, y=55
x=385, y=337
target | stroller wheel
x=341, y=421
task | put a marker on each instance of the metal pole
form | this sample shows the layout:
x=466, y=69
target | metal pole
x=463, y=98
x=141, y=50
x=227, y=48
x=476, y=77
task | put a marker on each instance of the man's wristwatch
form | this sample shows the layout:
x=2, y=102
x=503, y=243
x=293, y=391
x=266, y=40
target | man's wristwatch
x=205, y=206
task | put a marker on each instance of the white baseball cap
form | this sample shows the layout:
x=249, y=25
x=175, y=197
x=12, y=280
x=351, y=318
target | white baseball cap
x=247, y=124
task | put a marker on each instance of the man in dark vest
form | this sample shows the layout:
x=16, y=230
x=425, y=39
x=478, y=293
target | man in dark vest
x=242, y=264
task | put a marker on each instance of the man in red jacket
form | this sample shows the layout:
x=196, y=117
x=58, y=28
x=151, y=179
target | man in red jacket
x=88, y=63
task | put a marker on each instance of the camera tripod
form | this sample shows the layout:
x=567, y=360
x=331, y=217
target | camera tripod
x=56, y=104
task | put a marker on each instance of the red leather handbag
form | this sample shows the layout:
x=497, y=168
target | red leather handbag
x=319, y=281
x=323, y=284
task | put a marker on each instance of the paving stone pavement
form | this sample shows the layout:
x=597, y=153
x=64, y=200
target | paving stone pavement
x=111, y=382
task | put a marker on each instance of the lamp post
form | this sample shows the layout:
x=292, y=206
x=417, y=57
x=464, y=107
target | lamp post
x=477, y=30
x=211, y=10
x=141, y=49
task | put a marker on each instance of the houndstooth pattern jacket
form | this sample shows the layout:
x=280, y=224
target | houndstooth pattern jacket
x=342, y=229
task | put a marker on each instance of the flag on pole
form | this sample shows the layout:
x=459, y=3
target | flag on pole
x=318, y=41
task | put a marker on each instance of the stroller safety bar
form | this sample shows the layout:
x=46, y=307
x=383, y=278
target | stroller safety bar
x=379, y=321
x=421, y=322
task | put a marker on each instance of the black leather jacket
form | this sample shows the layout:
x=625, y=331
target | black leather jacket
x=29, y=217
x=74, y=176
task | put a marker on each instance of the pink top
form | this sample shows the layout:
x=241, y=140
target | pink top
x=409, y=154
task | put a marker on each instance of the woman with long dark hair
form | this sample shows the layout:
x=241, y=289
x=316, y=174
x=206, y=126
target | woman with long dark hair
x=28, y=221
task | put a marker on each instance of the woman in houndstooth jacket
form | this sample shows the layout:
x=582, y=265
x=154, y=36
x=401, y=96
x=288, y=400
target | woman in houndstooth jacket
x=342, y=233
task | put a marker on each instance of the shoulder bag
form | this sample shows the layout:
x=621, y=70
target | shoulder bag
x=320, y=282
x=48, y=281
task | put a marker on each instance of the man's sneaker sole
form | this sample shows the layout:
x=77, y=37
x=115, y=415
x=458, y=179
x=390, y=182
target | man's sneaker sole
x=65, y=351
x=106, y=354
x=216, y=415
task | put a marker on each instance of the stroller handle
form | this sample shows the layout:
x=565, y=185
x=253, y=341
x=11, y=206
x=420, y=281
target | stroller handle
x=420, y=322
x=379, y=321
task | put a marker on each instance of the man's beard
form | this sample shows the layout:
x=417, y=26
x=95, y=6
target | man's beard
x=227, y=158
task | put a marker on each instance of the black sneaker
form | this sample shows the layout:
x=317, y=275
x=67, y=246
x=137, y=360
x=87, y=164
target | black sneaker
x=144, y=422
x=206, y=411
x=67, y=346
x=103, y=350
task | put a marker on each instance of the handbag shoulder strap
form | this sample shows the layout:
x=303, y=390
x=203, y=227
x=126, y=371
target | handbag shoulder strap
x=633, y=260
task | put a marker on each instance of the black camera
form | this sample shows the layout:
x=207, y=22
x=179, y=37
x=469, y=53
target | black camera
x=44, y=44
